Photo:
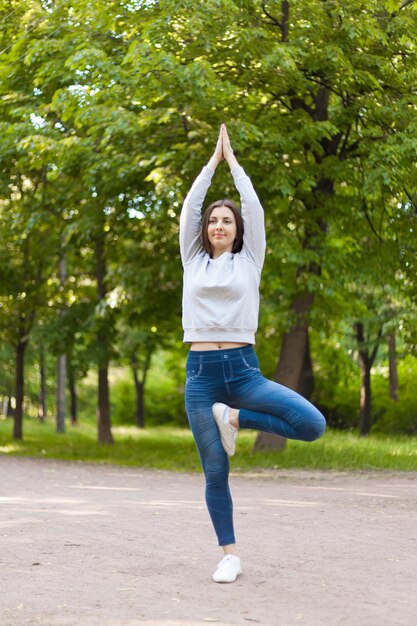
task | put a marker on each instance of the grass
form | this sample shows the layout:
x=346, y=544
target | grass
x=173, y=448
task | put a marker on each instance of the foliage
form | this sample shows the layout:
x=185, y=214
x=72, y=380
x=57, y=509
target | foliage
x=123, y=402
x=164, y=401
x=109, y=110
x=401, y=417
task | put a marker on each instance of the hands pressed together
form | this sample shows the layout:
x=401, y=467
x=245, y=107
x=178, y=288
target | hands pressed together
x=223, y=150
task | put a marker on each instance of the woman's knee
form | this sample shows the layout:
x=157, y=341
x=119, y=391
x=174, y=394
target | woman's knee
x=216, y=467
x=315, y=428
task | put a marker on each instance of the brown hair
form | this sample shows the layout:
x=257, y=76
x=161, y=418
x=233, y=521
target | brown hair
x=238, y=243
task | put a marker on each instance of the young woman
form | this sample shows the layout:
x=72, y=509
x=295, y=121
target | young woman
x=222, y=256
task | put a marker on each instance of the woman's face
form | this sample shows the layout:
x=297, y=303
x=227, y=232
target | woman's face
x=221, y=230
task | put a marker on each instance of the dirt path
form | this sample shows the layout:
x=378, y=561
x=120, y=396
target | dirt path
x=95, y=545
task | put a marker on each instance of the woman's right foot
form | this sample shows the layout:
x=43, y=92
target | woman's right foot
x=228, y=569
x=228, y=433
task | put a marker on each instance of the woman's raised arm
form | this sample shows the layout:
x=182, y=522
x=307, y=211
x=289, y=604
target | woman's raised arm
x=190, y=220
x=254, y=243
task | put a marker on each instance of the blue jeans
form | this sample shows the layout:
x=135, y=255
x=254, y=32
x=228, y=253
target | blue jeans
x=232, y=376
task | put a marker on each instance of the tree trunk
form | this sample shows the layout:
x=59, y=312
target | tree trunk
x=73, y=394
x=393, y=372
x=42, y=410
x=366, y=361
x=294, y=368
x=62, y=361
x=60, y=395
x=10, y=409
x=305, y=385
x=140, y=409
x=140, y=385
x=366, y=395
x=103, y=409
x=295, y=345
x=103, y=417
x=19, y=392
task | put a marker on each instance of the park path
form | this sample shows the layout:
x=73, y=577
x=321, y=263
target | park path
x=96, y=545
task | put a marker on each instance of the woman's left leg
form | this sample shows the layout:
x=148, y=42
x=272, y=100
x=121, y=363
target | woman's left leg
x=271, y=407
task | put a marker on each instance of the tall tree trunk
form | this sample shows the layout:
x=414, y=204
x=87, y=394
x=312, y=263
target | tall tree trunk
x=140, y=385
x=393, y=372
x=366, y=395
x=42, y=410
x=103, y=409
x=60, y=394
x=295, y=344
x=305, y=385
x=62, y=360
x=103, y=416
x=140, y=409
x=73, y=394
x=19, y=392
x=294, y=368
x=366, y=361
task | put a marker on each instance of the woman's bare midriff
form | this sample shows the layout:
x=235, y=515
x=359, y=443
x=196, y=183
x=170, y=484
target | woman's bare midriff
x=216, y=345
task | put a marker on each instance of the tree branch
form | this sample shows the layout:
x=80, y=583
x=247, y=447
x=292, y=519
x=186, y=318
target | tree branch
x=410, y=197
x=270, y=17
x=283, y=24
x=342, y=151
x=368, y=219
x=375, y=350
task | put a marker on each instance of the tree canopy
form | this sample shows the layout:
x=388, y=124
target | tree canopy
x=108, y=110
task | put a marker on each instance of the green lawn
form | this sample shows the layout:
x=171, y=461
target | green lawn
x=174, y=449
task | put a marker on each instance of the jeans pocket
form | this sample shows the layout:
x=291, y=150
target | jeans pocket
x=251, y=363
x=193, y=372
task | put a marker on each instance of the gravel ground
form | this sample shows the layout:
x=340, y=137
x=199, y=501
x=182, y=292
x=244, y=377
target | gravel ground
x=84, y=544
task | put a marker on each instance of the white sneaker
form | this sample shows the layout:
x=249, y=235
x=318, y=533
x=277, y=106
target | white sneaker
x=228, y=569
x=228, y=433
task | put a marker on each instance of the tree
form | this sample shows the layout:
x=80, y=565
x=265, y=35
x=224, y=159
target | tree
x=324, y=110
x=115, y=111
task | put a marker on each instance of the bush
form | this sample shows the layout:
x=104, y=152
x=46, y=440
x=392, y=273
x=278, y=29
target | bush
x=123, y=400
x=337, y=394
x=401, y=417
x=164, y=397
x=337, y=387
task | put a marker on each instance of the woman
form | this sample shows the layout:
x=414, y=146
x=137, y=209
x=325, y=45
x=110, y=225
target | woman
x=222, y=256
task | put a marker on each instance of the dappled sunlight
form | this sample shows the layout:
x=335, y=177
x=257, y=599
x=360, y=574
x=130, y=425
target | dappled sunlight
x=42, y=511
x=403, y=451
x=357, y=492
x=44, y=506
x=296, y=503
x=23, y=500
x=20, y=521
x=11, y=448
x=182, y=504
x=131, y=431
x=154, y=432
x=186, y=622
x=103, y=488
